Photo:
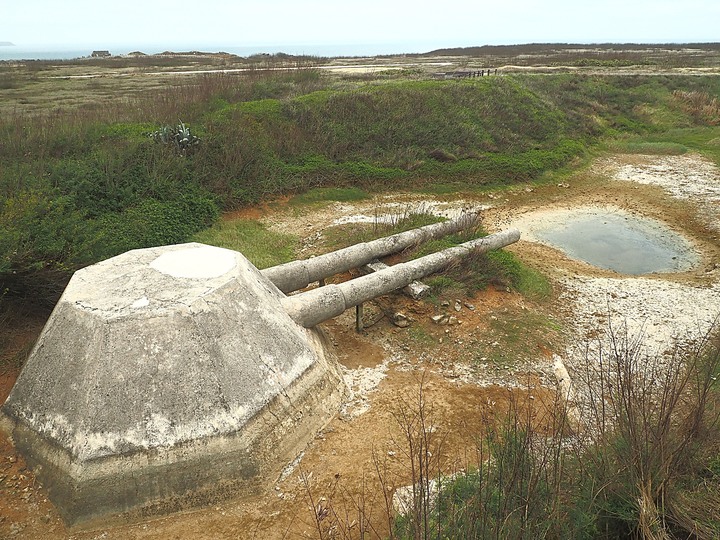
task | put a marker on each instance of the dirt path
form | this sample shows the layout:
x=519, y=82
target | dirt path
x=470, y=372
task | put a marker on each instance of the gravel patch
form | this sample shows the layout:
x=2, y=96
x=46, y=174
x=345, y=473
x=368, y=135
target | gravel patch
x=663, y=313
x=688, y=177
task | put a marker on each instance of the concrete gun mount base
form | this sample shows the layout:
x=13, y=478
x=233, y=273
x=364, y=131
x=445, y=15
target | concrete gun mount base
x=173, y=377
x=168, y=378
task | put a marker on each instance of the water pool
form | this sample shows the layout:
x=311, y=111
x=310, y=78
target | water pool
x=618, y=241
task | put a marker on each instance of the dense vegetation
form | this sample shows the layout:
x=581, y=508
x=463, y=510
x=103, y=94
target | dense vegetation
x=80, y=185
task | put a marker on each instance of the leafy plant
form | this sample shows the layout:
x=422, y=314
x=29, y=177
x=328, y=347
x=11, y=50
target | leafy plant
x=179, y=136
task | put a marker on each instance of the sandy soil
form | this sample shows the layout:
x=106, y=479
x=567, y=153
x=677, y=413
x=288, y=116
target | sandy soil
x=466, y=379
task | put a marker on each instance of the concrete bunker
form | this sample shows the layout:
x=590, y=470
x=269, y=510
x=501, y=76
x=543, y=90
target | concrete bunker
x=172, y=377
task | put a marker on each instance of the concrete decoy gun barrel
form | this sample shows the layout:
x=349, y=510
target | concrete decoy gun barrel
x=313, y=307
x=173, y=377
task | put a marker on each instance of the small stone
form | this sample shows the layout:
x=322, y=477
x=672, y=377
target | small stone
x=444, y=303
x=440, y=319
x=400, y=320
x=458, y=305
x=470, y=306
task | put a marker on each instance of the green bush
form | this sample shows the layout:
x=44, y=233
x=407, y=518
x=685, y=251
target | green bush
x=39, y=232
x=154, y=223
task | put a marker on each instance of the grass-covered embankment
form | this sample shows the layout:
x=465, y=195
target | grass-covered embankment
x=86, y=184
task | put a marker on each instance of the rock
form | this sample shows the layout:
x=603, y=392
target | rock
x=442, y=155
x=400, y=320
x=440, y=319
x=415, y=290
x=458, y=305
x=372, y=314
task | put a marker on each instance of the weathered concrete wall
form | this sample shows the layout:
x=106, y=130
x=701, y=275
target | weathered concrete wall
x=312, y=307
x=297, y=275
x=167, y=378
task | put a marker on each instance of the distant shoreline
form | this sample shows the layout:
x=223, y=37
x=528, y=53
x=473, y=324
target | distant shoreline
x=72, y=52
x=6, y=44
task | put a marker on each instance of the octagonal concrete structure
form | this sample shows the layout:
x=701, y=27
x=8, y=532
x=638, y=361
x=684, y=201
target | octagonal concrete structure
x=168, y=378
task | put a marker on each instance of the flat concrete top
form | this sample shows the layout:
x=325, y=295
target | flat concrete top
x=154, y=280
x=201, y=262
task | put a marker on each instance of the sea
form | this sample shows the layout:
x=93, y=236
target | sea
x=24, y=52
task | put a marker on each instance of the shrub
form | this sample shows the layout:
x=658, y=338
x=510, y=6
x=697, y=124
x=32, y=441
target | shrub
x=154, y=223
x=39, y=232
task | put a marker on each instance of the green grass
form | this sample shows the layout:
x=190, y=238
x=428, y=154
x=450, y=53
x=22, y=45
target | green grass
x=653, y=148
x=526, y=280
x=499, y=268
x=517, y=336
x=329, y=194
x=346, y=234
x=697, y=139
x=676, y=141
x=261, y=246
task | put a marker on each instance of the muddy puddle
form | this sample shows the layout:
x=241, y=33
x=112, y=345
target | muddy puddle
x=615, y=240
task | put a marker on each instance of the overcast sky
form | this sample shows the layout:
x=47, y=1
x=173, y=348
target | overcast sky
x=410, y=23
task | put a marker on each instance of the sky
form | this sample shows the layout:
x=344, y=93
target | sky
x=412, y=25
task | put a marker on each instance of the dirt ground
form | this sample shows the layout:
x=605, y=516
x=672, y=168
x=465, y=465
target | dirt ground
x=468, y=373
